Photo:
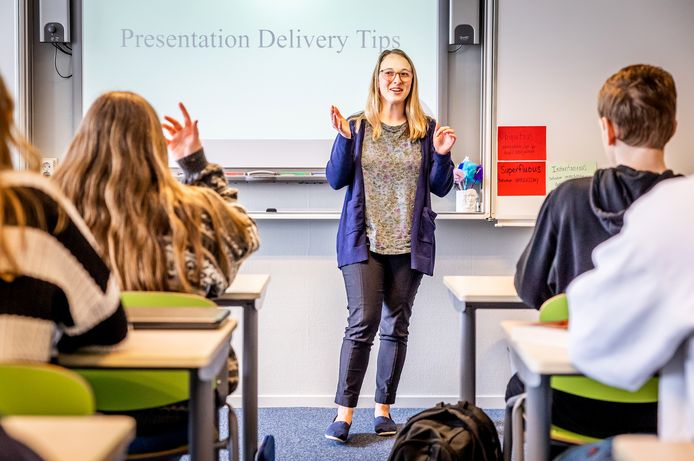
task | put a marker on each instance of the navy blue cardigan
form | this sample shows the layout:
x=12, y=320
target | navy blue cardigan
x=344, y=169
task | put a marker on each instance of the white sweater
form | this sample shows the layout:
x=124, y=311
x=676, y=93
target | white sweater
x=633, y=315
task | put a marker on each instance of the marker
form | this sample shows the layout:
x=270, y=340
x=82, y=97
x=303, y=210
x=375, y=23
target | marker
x=271, y=210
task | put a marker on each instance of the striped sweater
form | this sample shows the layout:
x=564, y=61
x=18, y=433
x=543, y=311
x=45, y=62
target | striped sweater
x=62, y=294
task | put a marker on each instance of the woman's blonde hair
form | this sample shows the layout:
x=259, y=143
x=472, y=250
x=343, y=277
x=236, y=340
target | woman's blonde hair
x=12, y=208
x=417, y=122
x=116, y=172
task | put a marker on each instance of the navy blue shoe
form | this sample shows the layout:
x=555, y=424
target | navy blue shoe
x=338, y=431
x=384, y=425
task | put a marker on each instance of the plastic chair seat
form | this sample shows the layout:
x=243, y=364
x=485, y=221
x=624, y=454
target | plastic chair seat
x=137, y=389
x=553, y=310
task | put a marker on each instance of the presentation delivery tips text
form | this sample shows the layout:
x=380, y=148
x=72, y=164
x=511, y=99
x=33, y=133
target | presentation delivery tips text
x=263, y=38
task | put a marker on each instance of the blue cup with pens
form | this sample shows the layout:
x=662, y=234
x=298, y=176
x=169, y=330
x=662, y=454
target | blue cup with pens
x=468, y=182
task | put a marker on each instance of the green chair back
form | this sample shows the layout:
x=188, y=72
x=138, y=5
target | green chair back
x=163, y=299
x=127, y=390
x=43, y=390
x=557, y=309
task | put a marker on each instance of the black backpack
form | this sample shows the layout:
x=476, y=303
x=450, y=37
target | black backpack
x=448, y=432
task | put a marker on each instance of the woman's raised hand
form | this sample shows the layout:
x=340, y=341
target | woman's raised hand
x=339, y=122
x=185, y=139
x=444, y=139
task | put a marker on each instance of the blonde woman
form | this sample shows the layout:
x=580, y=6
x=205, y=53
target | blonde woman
x=156, y=233
x=390, y=157
x=53, y=284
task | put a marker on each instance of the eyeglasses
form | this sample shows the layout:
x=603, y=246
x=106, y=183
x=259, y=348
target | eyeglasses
x=389, y=74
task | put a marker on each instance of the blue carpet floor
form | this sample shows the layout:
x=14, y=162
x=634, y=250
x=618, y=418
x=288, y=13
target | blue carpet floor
x=298, y=434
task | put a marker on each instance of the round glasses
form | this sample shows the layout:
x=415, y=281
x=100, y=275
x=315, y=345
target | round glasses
x=389, y=74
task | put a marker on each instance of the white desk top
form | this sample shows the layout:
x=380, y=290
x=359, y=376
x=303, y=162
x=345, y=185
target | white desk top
x=70, y=438
x=157, y=349
x=247, y=286
x=543, y=350
x=641, y=447
x=482, y=288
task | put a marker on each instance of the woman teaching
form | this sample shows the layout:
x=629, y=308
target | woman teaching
x=390, y=157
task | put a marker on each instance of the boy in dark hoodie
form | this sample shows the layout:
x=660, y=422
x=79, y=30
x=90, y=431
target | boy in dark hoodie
x=637, y=108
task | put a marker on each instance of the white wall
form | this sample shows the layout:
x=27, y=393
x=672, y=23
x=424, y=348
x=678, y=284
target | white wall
x=304, y=314
x=8, y=37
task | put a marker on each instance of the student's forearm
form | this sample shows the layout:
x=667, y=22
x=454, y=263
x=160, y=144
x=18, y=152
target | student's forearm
x=106, y=334
x=197, y=171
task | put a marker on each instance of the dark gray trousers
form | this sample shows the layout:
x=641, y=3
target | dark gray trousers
x=380, y=295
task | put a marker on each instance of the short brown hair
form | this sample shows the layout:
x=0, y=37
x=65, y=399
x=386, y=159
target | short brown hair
x=641, y=100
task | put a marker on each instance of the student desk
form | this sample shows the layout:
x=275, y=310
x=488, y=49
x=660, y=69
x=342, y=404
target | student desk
x=469, y=293
x=247, y=291
x=70, y=438
x=538, y=352
x=641, y=447
x=202, y=352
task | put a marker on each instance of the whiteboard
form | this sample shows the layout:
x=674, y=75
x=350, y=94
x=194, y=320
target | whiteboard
x=553, y=56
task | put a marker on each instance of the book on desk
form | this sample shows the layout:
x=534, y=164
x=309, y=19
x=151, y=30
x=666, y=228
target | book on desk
x=176, y=318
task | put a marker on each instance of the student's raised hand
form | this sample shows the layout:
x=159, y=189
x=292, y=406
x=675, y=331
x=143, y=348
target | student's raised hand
x=339, y=122
x=185, y=139
x=444, y=139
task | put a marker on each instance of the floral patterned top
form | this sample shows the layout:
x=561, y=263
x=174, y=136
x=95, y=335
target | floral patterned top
x=391, y=167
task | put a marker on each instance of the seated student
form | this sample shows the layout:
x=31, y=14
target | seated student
x=637, y=118
x=53, y=284
x=156, y=233
x=646, y=274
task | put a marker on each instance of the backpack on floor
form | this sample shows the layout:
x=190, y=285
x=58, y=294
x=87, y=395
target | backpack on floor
x=448, y=432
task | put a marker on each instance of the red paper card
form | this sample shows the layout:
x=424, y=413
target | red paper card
x=521, y=178
x=522, y=143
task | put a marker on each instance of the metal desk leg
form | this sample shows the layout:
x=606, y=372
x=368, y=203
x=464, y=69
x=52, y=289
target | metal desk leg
x=538, y=405
x=201, y=419
x=467, y=354
x=249, y=381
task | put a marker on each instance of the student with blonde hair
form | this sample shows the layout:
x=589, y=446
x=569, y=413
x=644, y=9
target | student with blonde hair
x=390, y=157
x=156, y=233
x=55, y=291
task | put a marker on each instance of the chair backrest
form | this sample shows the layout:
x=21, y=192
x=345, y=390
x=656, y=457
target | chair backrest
x=557, y=308
x=43, y=389
x=126, y=390
x=163, y=299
